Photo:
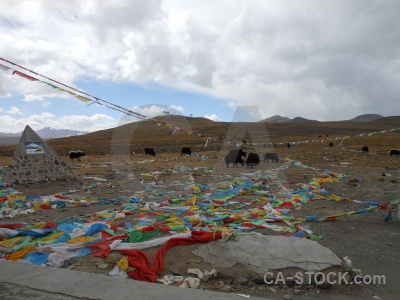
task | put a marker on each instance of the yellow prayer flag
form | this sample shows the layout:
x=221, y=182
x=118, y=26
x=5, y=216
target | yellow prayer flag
x=81, y=239
x=19, y=254
x=84, y=99
x=10, y=243
x=123, y=263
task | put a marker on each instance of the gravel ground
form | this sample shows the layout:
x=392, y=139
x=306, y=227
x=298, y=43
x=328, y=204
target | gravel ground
x=371, y=243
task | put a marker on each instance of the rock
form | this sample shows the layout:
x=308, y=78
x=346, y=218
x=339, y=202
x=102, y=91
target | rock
x=324, y=286
x=241, y=280
x=262, y=253
x=261, y=288
x=226, y=287
x=258, y=280
x=102, y=266
x=274, y=290
x=174, y=271
x=287, y=297
x=290, y=283
x=354, y=180
x=296, y=291
x=114, y=257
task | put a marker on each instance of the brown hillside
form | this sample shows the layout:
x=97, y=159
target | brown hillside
x=392, y=122
x=138, y=135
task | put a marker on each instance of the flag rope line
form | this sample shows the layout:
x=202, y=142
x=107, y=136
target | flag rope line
x=147, y=118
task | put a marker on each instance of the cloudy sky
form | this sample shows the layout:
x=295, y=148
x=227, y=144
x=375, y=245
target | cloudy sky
x=324, y=60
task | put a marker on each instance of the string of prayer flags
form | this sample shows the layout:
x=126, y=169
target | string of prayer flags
x=79, y=95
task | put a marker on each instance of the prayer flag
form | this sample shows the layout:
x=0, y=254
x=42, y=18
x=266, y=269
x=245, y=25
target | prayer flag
x=25, y=76
x=84, y=99
x=5, y=68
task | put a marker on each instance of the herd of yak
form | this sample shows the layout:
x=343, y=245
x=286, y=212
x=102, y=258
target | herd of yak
x=238, y=156
x=234, y=157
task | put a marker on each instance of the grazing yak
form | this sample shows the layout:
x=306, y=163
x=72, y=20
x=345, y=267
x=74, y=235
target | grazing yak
x=186, y=150
x=76, y=154
x=271, y=156
x=394, y=152
x=234, y=157
x=149, y=151
x=288, y=145
x=364, y=149
x=330, y=144
x=253, y=159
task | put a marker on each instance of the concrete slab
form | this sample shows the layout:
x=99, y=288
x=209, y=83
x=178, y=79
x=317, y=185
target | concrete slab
x=262, y=253
x=40, y=282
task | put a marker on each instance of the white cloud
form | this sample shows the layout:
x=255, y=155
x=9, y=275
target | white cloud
x=12, y=124
x=15, y=111
x=212, y=117
x=154, y=110
x=327, y=60
x=177, y=108
x=37, y=98
x=32, y=98
x=8, y=124
x=150, y=111
x=73, y=122
x=4, y=88
x=84, y=123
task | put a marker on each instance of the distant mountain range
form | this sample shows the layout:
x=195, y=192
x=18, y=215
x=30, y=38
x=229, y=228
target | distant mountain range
x=51, y=133
x=280, y=119
x=366, y=118
x=45, y=133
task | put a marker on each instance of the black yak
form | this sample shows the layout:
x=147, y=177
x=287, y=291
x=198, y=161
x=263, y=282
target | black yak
x=394, y=152
x=253, y=159
x=234, y=157
x=364, y=149
x=149, y=151
x=271, y=156
x=76, y=154
x=186, y=150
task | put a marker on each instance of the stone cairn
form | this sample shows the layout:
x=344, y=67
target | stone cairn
x=32, y=169
x=34, y=161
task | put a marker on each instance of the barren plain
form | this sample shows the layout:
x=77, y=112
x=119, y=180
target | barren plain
x=117, y=157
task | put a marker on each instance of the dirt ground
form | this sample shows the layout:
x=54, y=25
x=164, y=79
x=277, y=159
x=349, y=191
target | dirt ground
x=371, y=243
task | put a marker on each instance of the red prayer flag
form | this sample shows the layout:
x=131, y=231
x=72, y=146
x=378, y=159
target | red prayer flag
x=140, y=261
x=25, y=76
